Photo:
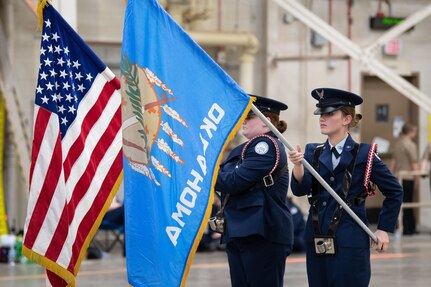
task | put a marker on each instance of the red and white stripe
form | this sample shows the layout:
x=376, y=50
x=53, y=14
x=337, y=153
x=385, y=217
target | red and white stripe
x=71, y=179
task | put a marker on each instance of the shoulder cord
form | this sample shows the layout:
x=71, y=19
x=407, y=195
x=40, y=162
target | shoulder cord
x=370, y=188
x=268, y=180
x=277, y=161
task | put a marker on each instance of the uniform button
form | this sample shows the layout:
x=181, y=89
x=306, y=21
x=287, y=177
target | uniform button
x=331, y=178
x=324, y=203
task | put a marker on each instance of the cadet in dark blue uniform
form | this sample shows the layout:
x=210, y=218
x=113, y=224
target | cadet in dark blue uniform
x=258, y=231
x=338, y=250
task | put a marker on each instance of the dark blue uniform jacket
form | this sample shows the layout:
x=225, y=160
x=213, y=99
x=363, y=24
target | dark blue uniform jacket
x=349, y=234
x=255, y=210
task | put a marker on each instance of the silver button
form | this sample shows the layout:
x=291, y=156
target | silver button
x=331, y=178
x=324, y=203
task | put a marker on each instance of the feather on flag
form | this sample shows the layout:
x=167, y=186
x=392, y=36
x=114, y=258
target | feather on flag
x=179, y=110
x=76, y=164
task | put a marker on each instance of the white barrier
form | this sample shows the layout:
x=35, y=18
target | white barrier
x=401, y=175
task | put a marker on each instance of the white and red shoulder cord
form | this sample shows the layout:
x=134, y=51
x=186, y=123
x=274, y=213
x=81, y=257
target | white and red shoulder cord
x=370, y=188
x=277, y=150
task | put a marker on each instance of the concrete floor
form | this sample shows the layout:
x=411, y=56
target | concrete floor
x=407, y=263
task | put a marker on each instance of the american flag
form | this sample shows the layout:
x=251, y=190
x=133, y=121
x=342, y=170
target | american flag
x=76, y=162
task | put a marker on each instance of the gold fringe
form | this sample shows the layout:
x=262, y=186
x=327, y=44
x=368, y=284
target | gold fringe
x=50, y=265
x=210, y=202
x=68, y=276
x=42, y=4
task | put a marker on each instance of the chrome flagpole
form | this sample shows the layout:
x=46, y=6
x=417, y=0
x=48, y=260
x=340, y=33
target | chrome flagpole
x=316, y=175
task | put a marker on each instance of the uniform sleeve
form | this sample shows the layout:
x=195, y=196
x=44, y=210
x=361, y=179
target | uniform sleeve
x=393, y=192
x=304, y=188
x=256, y=164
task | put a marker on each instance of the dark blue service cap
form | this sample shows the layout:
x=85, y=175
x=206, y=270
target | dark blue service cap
x=268, y=105
x=330, y=100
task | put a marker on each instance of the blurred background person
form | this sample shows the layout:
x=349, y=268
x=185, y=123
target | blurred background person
x=405, y=158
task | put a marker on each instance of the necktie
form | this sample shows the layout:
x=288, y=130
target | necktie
x=335, y=152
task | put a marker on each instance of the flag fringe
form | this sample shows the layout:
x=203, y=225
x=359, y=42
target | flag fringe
x=211, y=200
x=50, y=265
x=42, y=4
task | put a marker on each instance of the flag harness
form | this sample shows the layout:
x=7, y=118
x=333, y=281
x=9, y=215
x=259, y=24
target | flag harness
x=325, y=244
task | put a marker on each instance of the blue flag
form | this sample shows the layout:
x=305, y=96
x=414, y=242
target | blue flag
x=179, y=111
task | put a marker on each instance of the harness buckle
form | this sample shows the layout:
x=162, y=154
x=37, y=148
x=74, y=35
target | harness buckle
x=268, y=180
x=324, y=245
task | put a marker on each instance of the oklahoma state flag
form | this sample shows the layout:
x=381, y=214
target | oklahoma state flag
x=179, y=110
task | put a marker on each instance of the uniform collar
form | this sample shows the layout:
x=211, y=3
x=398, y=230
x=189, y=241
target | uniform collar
x=339, y=146
x=346, y=157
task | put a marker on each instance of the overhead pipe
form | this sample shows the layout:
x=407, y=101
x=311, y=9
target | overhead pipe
x=246, y=41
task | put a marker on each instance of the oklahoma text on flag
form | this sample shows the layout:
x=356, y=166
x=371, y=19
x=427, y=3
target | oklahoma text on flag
x=76, y=154
x=179, y=110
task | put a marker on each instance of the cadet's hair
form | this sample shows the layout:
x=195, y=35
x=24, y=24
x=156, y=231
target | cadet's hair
x=275, y=120
x=407, y=128
x=348, y=110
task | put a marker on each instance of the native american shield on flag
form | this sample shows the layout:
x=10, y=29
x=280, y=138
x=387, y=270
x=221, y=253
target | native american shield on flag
x=76, y=163
x=179, y=111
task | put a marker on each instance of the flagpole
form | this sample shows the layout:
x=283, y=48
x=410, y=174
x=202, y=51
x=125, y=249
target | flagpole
x=316, y=175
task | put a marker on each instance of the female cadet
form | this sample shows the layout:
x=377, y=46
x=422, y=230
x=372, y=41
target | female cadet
x=338, y=250
x=258, y=225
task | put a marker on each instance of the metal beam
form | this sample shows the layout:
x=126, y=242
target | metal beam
x=365, y=57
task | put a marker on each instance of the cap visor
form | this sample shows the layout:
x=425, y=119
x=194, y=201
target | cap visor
x=326, y=110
